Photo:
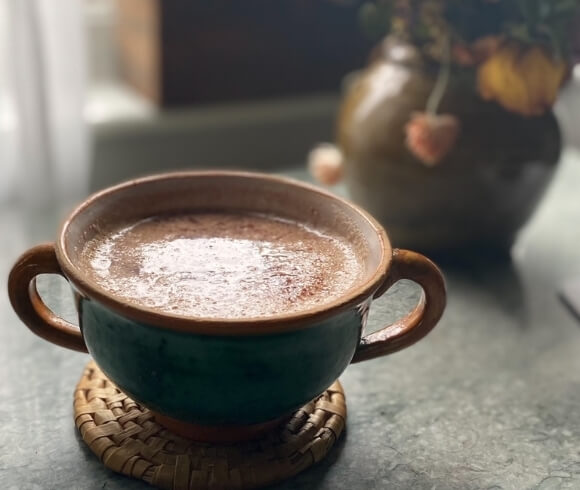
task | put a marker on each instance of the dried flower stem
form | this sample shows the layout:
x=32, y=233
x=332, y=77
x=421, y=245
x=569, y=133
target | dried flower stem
x=442, y=80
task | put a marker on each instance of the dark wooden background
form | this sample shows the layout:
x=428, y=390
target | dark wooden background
x=181, y=52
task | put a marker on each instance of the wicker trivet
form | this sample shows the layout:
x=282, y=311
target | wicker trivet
x=127, y=439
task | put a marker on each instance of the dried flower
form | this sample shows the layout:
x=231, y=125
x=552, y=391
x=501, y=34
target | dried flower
x=477, y=29
x=522, y=79
x=478, y=52
x=325, y=164
x=431, y=137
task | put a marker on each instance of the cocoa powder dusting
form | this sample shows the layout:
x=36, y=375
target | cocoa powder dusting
x=222, y=265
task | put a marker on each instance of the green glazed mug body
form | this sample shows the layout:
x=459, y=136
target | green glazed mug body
x=220, y=380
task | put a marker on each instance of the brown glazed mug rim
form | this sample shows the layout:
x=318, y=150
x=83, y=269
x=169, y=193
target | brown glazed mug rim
x=229, y=326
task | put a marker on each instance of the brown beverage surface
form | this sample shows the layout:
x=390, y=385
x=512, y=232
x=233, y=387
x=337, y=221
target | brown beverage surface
x=222, y=265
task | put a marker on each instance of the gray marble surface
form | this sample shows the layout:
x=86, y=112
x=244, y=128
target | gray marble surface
x=490, y=400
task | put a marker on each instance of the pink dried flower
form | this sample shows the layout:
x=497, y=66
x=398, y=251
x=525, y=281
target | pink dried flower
x=325, y=163
x=431, y=137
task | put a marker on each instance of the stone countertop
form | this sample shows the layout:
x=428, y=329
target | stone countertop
x=489, y=400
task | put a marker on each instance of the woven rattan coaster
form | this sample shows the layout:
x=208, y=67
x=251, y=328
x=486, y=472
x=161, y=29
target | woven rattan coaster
x=127, y=440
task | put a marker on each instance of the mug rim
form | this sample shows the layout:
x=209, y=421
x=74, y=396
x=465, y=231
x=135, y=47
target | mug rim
x=224, y=326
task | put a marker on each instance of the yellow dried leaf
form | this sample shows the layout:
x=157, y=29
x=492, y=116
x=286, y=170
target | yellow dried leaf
x=522, y=79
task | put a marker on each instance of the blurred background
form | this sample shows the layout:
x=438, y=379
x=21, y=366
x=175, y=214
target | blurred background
x=95, y=91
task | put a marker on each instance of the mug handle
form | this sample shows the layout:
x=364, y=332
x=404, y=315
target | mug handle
x=418, y=323
x=28, y=304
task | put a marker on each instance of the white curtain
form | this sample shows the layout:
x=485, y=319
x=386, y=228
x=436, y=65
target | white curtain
x=44, y=141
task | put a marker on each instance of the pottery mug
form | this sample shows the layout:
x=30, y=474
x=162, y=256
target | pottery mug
x=202, y=375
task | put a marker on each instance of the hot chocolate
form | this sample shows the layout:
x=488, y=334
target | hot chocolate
x=223, y=265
